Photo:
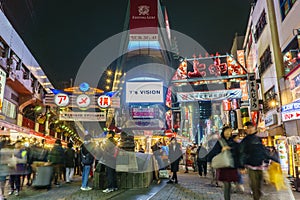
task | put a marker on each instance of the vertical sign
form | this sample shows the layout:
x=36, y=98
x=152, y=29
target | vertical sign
x=2, y=87
x=253, y=95
x=143, y=21
x=241, y=57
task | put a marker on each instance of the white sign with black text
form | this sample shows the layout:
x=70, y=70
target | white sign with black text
x=144, y=92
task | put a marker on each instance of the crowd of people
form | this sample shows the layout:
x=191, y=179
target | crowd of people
x=18, y=161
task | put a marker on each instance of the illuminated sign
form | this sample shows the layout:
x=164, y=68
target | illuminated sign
x=82, y=116
x=83, y=101
x=104, y=101
x=209, y=96
x=61, y=99
x=144, y=92
x=143, y=113
x=290, y=112
x=84, y=87
x=253, y=95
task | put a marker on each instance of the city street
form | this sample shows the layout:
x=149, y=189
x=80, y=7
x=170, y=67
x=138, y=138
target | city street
x=190, y=186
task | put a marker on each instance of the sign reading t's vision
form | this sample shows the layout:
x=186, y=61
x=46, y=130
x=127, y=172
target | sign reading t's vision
x=144, y=92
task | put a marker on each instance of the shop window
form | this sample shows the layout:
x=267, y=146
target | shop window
x=265, y=61
x=270, y=99
x=285, y=7
x=259, y=27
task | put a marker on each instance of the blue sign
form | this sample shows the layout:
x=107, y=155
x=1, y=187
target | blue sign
x=84, y=87
x=290, y=107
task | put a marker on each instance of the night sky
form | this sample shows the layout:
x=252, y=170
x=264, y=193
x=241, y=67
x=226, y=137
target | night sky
x=60, y=33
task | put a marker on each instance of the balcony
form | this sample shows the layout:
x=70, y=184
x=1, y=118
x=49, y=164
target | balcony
x=20, y=85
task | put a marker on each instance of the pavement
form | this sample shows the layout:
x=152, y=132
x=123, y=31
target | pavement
x=190, y=186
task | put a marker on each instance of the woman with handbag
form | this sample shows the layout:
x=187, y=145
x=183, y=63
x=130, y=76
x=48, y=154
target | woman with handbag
x=228, y=173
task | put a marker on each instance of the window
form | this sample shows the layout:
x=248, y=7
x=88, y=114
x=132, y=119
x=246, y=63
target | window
x=285, y=7
x=265, y=61
x=269, y=97
x=259, y=27
x=9, y=109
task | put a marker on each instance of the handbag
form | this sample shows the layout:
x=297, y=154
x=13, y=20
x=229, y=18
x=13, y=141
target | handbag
x=163, y=173
x=223, y=159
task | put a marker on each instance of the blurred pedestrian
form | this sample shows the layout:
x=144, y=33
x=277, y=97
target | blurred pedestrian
x=20, y=157
x=4, y=171
x=226, y=175
x=175, y=155
x=57, y=158
x=77, y=162
x=110, y=147
x=202, y=160
x=69, y=162
x=252, y=156
x=157, y=152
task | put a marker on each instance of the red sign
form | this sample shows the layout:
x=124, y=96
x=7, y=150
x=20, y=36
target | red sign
x=143, y=14
x=104, y=101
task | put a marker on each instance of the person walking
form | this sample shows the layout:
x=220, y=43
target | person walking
x=70, y=162
x=175, y=155
x=87, y=159
x=109, y=150
x=57, y=158
x=20, y=155
x=202, y=160
x=226, y=175
x=252, y=155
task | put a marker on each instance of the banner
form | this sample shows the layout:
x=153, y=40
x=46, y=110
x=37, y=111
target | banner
x=82, y=116
x=215, y=95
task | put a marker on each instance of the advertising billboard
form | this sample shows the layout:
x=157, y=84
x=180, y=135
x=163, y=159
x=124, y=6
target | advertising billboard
x=144, y=92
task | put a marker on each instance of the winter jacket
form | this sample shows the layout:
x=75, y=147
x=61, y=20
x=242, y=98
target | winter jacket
x=70, y=158
x=252, y=151
x=57, y=155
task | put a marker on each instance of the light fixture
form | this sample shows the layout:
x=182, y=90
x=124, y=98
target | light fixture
x=109, y=72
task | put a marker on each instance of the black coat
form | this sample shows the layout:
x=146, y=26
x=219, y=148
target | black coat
x=252, y=151
x=70, y=158
x=175, y=156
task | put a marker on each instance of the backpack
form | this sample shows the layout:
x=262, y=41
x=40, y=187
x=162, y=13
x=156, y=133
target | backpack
x=86, y=159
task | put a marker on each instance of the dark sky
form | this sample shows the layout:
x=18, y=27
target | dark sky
x=60, y=33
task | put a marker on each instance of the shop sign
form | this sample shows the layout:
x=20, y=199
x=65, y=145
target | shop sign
x=2, y=87
x=143, y=21
x=61, y=99
x=271, y=120
x=290, y=111
x=241, y=57
x=143, y=113
x=144, y=92
x=215, y=95
x=288, y=116
x=83, y=101
x=104, y=101
x=83, y=116
x=291, y=107
x=253, y=95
